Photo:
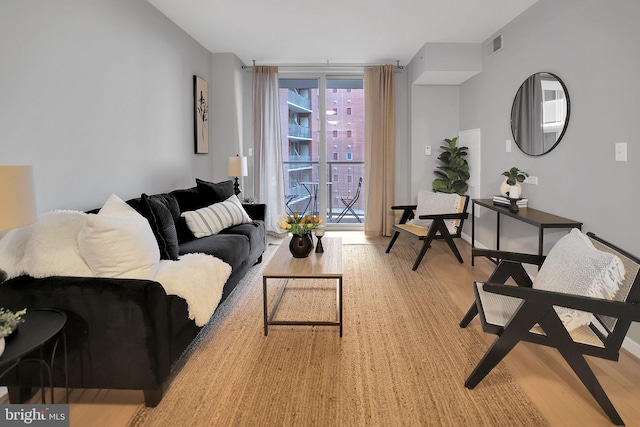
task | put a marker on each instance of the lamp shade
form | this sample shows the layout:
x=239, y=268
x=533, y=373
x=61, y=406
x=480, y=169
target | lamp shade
x=237, y=166
x=17, y=201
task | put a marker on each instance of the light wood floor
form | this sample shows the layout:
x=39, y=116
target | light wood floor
x=541, y=372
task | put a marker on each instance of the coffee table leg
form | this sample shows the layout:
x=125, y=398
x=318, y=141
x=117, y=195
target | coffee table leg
x=264, y=300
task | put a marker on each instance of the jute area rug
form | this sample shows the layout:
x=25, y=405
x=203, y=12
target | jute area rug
x=402, y=360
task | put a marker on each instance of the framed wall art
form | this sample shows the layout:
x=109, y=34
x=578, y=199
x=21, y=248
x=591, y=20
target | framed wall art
x=201, y=110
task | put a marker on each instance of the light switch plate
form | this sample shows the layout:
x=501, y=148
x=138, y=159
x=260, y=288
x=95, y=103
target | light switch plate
x=621, y=151
x=427, y=150
x=508, y=145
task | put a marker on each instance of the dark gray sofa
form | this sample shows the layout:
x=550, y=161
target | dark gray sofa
x=125, y=333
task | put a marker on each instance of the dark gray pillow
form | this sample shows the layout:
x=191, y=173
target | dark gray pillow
x=214, y=192
x=161, y=219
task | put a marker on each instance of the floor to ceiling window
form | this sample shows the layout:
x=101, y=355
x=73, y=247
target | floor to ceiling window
x=322, y=121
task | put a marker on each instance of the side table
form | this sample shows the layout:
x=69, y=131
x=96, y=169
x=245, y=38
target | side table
x=40, y=326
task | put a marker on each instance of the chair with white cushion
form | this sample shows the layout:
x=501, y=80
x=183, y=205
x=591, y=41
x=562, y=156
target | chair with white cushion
x=436, y=216
x=582, y=302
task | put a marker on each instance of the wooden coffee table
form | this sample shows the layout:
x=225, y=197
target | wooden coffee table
x=326, y=265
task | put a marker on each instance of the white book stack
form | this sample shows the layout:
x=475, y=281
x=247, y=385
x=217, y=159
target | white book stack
x=504, y=201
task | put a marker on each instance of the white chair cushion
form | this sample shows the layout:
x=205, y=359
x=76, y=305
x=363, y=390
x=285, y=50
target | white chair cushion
x=215, y=218
x=575, y=266
x=118, y=242
x=430, y=203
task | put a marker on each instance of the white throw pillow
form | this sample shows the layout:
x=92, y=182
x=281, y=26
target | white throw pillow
x=430, y=203
x=118, y=242
x=575, y=266
x=215, y=218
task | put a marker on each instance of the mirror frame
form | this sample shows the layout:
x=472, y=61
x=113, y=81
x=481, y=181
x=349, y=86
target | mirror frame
x=566, y=120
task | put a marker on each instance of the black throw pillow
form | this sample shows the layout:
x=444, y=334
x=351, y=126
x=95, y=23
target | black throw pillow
x=162, y=223
x=188, y=199
x=214, y=192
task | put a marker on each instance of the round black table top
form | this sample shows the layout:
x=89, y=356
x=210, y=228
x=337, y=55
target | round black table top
x=39, y=326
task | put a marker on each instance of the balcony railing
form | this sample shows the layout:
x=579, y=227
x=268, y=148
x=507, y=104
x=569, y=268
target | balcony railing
x=299, y=100
x=298, y=131
x=342, y=182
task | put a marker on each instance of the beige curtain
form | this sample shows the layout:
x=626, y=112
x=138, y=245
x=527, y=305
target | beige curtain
x=267, y=143
x=379, y=137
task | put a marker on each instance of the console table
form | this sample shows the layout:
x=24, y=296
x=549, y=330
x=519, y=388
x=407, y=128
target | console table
x=531, y=216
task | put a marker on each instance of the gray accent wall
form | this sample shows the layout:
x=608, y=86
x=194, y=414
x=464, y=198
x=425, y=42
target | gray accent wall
x=98, y=97
x=593, y=47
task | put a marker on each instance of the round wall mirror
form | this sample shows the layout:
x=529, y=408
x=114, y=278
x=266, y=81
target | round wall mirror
x=540, y=113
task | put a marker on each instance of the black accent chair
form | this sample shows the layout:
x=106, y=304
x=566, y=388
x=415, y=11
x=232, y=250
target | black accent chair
x=349, y=202
x=437, y=230
x=529, y=315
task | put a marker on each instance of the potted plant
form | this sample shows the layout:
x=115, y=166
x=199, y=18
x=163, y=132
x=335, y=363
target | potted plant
x=9, y=321
x=300, y=226
x=453, y=174
x=511, y=186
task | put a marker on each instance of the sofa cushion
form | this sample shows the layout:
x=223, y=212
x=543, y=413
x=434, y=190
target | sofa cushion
x=156, y=210
x=214, y=192
x=215, y=218
x=255, y=232
x=231, y=248
x=118, y=242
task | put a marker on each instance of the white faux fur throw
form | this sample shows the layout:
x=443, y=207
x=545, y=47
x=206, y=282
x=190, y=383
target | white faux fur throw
x=50, y=248
x=199, y=279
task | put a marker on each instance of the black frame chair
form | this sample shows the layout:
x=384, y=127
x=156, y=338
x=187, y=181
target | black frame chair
x=437, y=230
x=534, y=319
x=348, y=203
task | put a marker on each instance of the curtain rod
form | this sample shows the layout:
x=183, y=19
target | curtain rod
x=321, y=65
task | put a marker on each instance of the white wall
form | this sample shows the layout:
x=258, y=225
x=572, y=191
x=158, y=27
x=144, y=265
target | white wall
x=434, y=117
x=592, y=46
x=227, y=114
x=97, y=96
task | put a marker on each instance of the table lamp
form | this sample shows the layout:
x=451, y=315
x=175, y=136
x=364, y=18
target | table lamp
x=237, y=166
x=17, y=201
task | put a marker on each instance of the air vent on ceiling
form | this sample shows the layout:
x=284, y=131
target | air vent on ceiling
x=494, y=45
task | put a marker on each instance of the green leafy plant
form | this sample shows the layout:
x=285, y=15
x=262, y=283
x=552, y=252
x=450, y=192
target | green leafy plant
x=453, y=174
x=9, y=321
x=515, y=175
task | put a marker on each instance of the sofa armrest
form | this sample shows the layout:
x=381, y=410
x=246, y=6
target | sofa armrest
x=117, y=329
x=257, y=211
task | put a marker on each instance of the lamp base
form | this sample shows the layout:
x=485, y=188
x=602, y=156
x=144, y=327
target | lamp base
x=236, y=187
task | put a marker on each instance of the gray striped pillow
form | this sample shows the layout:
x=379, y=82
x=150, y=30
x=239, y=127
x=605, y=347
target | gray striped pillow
x=215, y=218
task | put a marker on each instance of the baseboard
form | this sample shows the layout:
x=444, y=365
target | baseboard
x=631, y=346
x=467, y=239
x=628, y=344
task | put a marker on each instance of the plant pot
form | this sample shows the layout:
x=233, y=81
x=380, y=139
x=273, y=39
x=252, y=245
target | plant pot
x=1, y=346
x=514, y=192
x=504, y=188
x=301, y=245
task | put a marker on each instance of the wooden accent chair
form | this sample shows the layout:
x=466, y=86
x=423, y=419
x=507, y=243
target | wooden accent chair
x=526, y=312
x=440, y=216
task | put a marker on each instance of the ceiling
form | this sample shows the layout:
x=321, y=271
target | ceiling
x=336, y=31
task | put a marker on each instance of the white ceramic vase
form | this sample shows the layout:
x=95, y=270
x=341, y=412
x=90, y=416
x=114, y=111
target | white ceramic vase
x=504, y=188
x=514, y=192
